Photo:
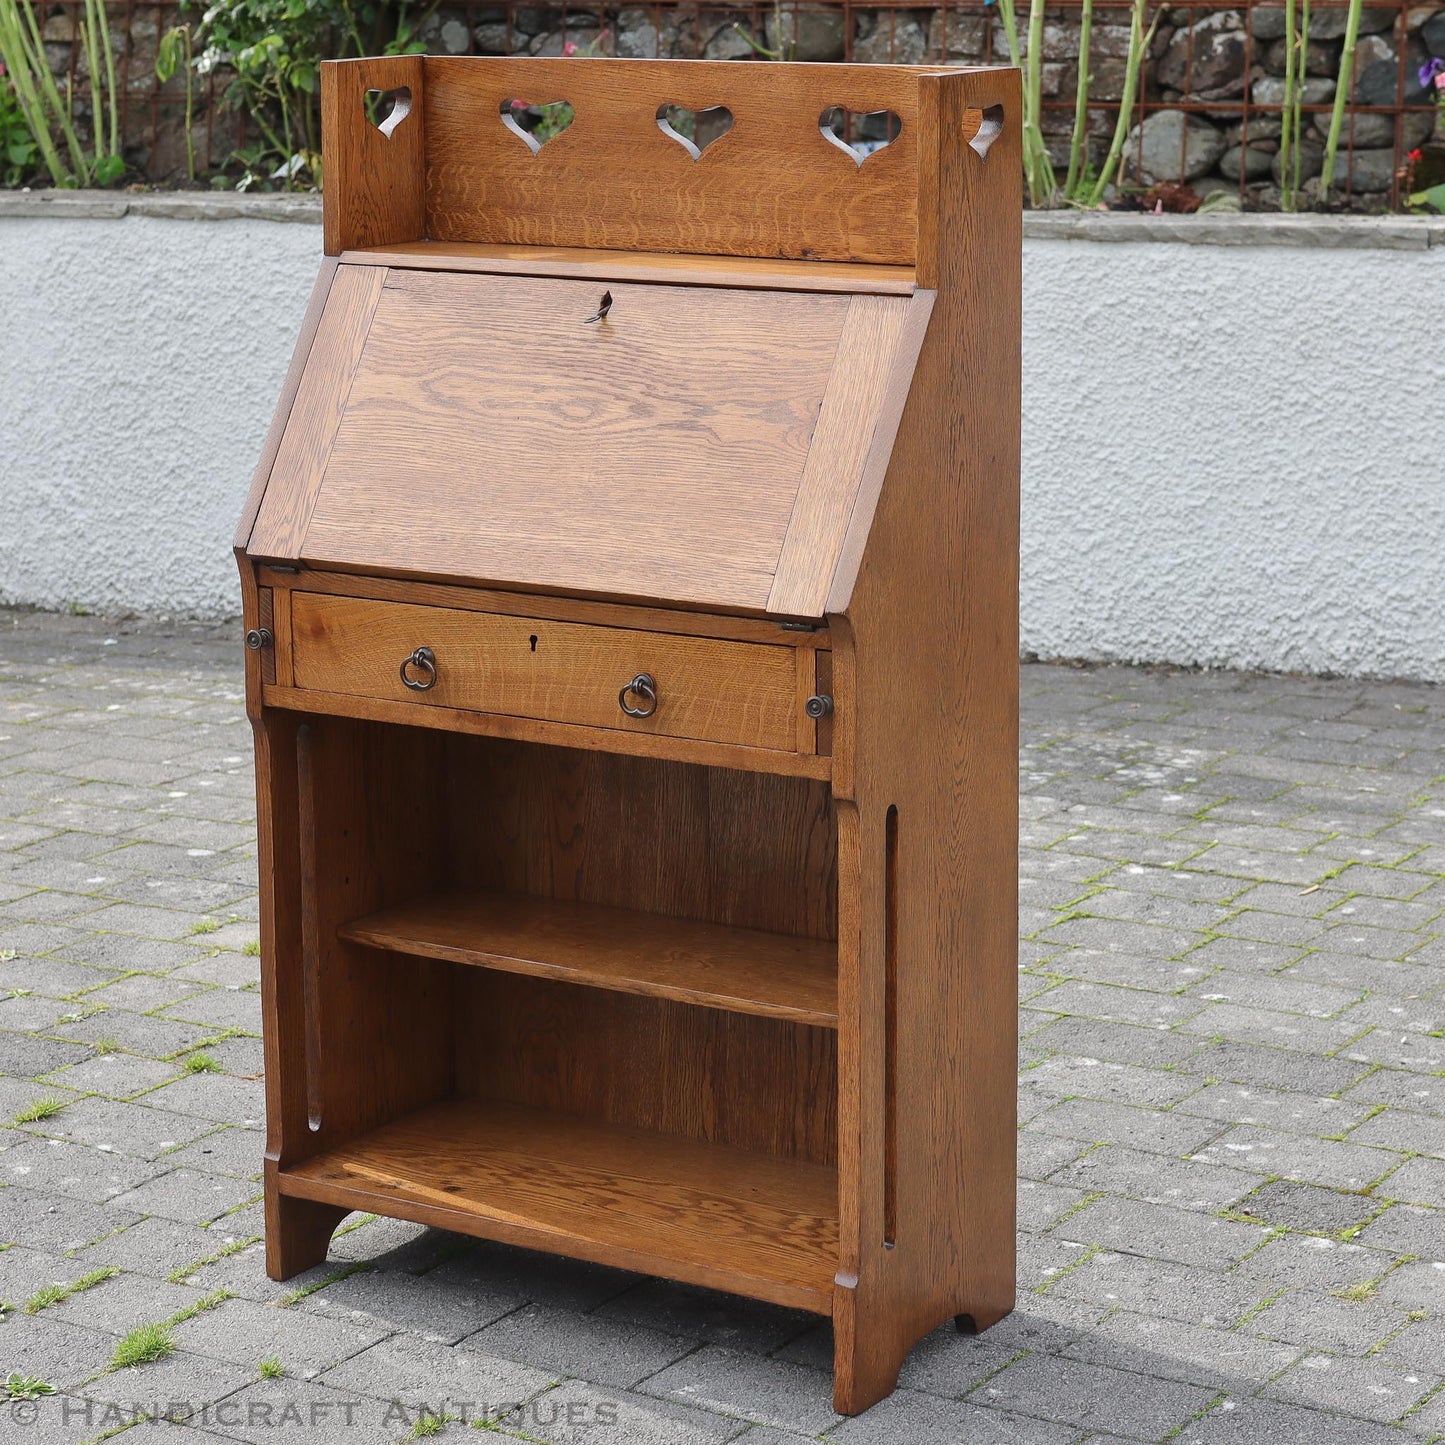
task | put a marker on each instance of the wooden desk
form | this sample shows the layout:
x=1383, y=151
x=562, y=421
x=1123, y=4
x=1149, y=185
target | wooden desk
x=630, y=580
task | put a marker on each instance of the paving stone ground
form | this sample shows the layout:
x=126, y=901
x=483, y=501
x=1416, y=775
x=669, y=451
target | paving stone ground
x=1232, y=1088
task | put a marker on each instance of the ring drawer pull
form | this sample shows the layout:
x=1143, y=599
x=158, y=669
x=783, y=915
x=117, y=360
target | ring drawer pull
x=424, y=661
x=643, y=687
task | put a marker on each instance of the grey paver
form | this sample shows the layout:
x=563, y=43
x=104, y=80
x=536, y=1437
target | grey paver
x=1095, y=1396
x=580, y=1413
x=1178, y=1350
x=924, y=1420
x=1204, y=1033
x=189, y=1195
x=751, y=1387
x=425, y=1372
x=609, y=1352
x=1409, y=1229
x=1162, y=1232
x=397, y=1300
x=244, y=1332
x=1159, y=1289
x=1362, y=1388
x=1316, y=1161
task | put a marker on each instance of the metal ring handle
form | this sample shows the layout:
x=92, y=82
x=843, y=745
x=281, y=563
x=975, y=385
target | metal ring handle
x=424, y=661
x=641, y=686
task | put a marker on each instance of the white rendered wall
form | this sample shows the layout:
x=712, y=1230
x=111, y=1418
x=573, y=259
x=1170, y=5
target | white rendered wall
x=1232, y=452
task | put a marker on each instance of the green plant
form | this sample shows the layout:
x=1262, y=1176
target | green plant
x=143, y=1345
x=52, y=1294
x=18, y=155
x=1140, y=39
x=1038, y=168
x=1342, y=92
x=106, y=1045
x=39, y=1109
x=1291, y=116
x=212, y=1301
x=275, y=48
x=1077, y=178
x=26, y=1387
x=271, y=1369
x=252, y=949
x=50, y=116
x=206, y=925
x=428, y=1424
x=175, y=53
x=199, y=1063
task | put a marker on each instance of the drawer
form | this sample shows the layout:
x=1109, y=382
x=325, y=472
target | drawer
x=750, y=694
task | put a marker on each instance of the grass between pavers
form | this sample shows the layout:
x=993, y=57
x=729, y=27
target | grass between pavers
x=25, y=1387
x=52, y=1294
x=429, y=1424
x=271, y=1369
x=41, y=1108
x=291, y=1297
x=182, y=1272
x=144, y=1344
x=200, y=1063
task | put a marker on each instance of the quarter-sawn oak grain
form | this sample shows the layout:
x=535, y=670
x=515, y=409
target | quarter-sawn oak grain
x=727, y=995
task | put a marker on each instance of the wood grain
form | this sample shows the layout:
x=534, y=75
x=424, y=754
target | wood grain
x=789, y=1068
x=771, y=186
x=626, y=1197
x=866, y=364
x=540, y=604
x=576, y=262
x=930, y=634
x=491, y=435
x=549, y=734
x=312, y=420
x=746, y=971
x=738, y=849
x=706, y=688
x=300, y=355
x=373, y=194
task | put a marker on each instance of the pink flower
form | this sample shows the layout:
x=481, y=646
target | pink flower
x=570, y=48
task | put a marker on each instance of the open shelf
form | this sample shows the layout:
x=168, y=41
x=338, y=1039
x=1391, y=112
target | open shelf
x=743, y=970
x=694, y=1211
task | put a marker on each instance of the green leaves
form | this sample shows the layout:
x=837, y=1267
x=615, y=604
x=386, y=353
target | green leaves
x=1432, y=197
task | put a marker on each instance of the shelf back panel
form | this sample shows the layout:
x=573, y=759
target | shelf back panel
x=771, y=185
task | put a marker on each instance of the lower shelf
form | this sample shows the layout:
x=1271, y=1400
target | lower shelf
x=702, y=1213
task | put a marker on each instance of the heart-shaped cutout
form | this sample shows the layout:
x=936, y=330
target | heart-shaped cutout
x=386, y=109
x=537, y=124
x=859, y=133
x=694, y=130
x=981, y=128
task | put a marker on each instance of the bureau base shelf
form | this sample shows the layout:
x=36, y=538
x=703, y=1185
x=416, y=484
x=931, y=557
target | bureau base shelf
x=632, y=1198
x=743, y=970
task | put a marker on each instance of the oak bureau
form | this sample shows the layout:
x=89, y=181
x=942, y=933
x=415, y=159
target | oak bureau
x=630, y=585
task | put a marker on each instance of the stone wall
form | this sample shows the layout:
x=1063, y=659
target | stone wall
x=1226, y=62
x=1196, y=489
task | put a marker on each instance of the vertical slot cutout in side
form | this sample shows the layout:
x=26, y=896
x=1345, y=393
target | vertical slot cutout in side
x=310, y=939
x=890, y=1028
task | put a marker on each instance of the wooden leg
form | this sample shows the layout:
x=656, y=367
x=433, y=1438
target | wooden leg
x=298, y=1233
x=866, y=1361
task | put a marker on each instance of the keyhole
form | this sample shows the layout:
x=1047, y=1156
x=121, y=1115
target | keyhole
x=534, y=642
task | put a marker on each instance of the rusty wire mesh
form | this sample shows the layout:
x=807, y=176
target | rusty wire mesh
x=956, y=31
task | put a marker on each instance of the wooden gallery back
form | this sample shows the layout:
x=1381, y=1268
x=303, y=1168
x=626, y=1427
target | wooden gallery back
x=631, y=589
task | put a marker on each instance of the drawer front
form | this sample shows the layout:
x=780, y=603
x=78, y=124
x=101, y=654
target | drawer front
x=746, y=693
